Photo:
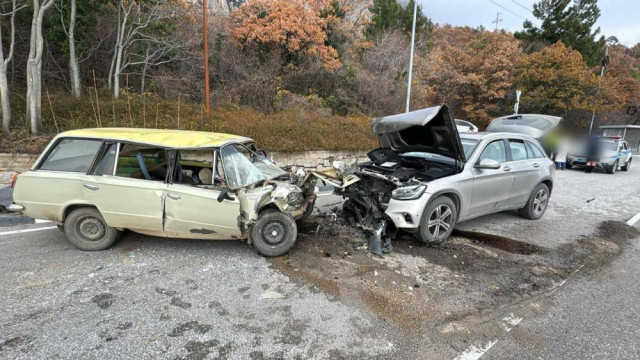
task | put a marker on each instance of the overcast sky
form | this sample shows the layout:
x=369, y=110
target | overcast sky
x=620, y=18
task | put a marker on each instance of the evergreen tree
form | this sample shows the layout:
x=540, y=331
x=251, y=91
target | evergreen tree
x=389, y=14
x=571, y=22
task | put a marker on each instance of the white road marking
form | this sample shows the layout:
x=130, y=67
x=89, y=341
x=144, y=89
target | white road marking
x=40, y=221
x=633, y=220
x=475, y=352
x=27, y=230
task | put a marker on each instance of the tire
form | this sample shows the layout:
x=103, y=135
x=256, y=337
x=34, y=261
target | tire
x=612, y=169
x=441, y=214
x=569, y=166
x=627, y=166
x=537, y=203
x=274, y=234
x=86, y=229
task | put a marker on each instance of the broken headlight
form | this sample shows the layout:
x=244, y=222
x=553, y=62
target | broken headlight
x=408, y=192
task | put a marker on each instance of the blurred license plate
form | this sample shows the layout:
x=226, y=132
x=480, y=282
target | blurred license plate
x=581, y=160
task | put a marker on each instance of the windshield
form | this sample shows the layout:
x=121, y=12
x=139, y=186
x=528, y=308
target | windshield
x=537, y=123
x=609, y=146
x=243, y=167
x=468, y=145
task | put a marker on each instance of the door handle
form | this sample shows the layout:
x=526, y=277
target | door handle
x=91, y=187
x=507, y=168
x=536, y=165
x=174, y=196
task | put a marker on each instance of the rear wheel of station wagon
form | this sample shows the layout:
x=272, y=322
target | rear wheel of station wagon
x=86, y=229
x=274, y=234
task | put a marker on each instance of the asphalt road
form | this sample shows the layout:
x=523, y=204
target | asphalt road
x=164, y=298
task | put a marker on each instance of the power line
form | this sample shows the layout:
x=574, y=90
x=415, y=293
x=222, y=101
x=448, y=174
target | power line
x=508, y=10
x=522, y=6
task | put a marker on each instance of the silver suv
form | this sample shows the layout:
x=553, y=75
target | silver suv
x=426, y=177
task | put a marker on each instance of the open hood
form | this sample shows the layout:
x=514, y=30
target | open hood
x=534, y=125
x=430, y=130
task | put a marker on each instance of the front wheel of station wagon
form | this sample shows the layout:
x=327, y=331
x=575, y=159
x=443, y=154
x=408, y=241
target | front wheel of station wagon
x=274, y=234
x=86, y=229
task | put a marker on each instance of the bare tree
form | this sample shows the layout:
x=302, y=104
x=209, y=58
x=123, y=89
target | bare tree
x=74, y=67
x=134, y=19
x=34, y=65
x=4, y=61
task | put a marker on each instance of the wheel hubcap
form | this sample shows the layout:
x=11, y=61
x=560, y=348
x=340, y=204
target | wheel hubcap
x=440, y=220
x=91, y=228
x=540, y=201
x=274, y=232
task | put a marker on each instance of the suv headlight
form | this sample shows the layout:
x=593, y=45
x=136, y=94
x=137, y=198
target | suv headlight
x=408, y=192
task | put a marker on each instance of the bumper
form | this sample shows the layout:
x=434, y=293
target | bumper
x=406, y=214
x=14, y=208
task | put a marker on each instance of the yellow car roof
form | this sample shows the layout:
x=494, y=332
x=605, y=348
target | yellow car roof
x=160, y=137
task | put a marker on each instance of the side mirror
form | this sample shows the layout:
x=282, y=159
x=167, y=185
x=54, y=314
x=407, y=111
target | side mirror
x=224, y=195
x=489, y=164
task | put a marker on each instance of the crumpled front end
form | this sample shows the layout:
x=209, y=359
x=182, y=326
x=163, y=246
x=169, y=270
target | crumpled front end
x=287, y=197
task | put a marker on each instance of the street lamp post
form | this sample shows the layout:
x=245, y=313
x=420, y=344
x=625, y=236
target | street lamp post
x=605, y=62
x=413, y=39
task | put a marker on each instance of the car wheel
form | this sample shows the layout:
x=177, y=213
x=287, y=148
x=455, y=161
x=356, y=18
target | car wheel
x=612, y=169
x=627, y=166
x=274, y=234
x=537, y=203
x=569, y=166
x=86, y=229
x=438, y=220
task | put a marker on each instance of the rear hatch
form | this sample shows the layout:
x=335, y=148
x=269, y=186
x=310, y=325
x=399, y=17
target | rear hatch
x=534, y=125
x=432, y=130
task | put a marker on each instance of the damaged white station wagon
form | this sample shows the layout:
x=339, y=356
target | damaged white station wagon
x=98, y=182
x=426, y=177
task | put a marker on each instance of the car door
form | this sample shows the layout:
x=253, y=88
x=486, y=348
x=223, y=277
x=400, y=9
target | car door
x=626, y=153
x=124, y=195
x=192, y=209
x=526, y=171
x=491, y=186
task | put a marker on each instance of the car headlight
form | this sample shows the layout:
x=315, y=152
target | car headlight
x=408, y=192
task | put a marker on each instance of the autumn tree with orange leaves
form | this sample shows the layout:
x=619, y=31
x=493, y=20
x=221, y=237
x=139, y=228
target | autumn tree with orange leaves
x=471, y=70
x=294, y=27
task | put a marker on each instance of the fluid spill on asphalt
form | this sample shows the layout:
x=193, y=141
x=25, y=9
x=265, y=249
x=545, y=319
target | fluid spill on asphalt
x=419, y=288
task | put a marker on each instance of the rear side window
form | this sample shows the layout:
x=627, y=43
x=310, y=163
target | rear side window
x=535, y=151
x=141, y=162
x=518, y=150
x=71, y=155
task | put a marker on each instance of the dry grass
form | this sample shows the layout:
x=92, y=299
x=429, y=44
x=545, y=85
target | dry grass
x=290, y=130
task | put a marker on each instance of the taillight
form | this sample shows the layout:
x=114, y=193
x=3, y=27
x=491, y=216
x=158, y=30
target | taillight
x=14, y=178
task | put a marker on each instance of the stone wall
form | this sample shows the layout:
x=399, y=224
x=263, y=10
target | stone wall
x=309, y=160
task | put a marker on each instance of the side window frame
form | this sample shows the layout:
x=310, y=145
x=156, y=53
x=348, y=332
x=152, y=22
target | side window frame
x=532, y=147
x=173, y=157
x=50, y=150
x=524, y=143
x=507, y=151
x=120, y=144
x=102, y=152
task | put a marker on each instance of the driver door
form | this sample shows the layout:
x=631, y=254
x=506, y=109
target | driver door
x=192, y=209
x=491, y=188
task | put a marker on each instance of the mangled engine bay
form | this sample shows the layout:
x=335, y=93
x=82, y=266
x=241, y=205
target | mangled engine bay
x=417, y=147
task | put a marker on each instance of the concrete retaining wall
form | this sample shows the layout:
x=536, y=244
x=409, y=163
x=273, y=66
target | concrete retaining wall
x=309, y=159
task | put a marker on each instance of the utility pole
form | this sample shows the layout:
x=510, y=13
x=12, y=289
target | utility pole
x=205, y=21
x=605, y=62
x=413, y=40
x=496, y=21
